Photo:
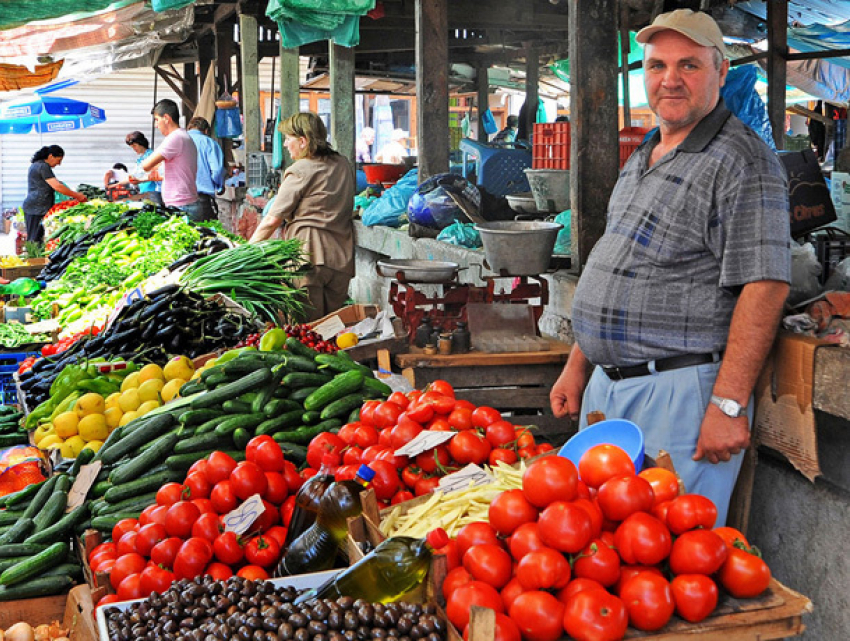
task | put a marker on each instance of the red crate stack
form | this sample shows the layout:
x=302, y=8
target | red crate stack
x=630, y=139
x=551, y=146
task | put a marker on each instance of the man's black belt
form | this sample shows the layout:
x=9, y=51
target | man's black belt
x=661, y=365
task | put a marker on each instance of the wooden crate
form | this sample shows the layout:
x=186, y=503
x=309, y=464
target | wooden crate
x=97, y=582
x=31, y=270
x=36, y=611
x=79, y=614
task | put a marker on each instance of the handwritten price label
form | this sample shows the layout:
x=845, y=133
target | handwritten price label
x=424, y=441
x=240, y=519
x=462, y=479
x=85, y=479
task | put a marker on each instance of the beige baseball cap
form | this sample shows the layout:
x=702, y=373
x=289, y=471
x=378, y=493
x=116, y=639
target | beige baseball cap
x=696, y=25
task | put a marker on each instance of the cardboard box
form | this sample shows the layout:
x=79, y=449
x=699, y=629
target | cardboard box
x=349, y=315
x=44, y=609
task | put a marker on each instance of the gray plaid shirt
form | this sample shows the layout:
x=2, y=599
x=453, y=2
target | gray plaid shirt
x=682, y=238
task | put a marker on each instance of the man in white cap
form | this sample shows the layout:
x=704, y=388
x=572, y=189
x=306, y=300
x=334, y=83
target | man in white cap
x=679, y=301
x=393, y=152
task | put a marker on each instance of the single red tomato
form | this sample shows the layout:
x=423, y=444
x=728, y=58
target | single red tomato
x=527, y=452
x=629, y=571
x=145, y=516
x=504, y=629
x=577, y=585
x=293, y=479
x=695, y=596
x=386, y=415
x=426, y=485
x=169, y=494
x=502, y=455
x=372, y=453
x=468, y=447
x=690, y=511
x=420, y=413
x=399, y=399
x=622, y=496
x=597, y=519
x=164, y=552
x=248, y=479
x=131, y=588
x=262, y=551
x=460, y=418
x=277, y=532
x=219, y=571
x=462, y=598
x=442, y=387
x=565, y=527
x=598, y=562
x=286, y=510
x=192, y=557
x=365, y=435
x=454, y=579
x=367, y=412
x=353, y=455
x=643, y=539
x=542, y=448
x=649, y=601
x=125, y=565
x=109, y=547
x=744, y=575
x=474, y=534
x=204, y=506
x=483, y=417
x=229, y=548
x=433, y=459
x=253, y=573
x=602, y=462
x=732, y=537
x=401, y=496
x=509, y=510
x=198, y=466
x=219, y=467
x=404, y=432
x=156, y=579
x=196, y=486
x=595, y=615
x=127, y=542
x=665, y=484
x=123, y=526
x=543, y=569
x=276, y=488
x=223, y=498
x=697, y=552
x=109, y=598
x=539, y=615
x=441, y=404
x=346, y=432
x=386, y=481
x=180, y=518
x=149, y=535
x=269, y=517
x=208, y=526
x=524, y=436
x=266, y=454
x=488, y=563
x=525, y=539
x=452, y=553
x=550, y=479
x=410, y=475
x=510, y=592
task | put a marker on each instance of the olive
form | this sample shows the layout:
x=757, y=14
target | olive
x=404, y=625
x=298, y=620
x=285, y=631
x=187, y=622
x=321, y=611
x=433, y=636
x=301, y=634
x=288, y=608
x=380, y=620
x=345, y=602
x=350, y=621
x=244, y=633
x=270, y=623
x=317, y=627
x=349, y=635
x=417, y=632
x=320, y=637
x=259, y=635
x=170, y=626
x=334, y=620
x=254, y=622
x=366, y=613
x=392, y=638
x=379, y=633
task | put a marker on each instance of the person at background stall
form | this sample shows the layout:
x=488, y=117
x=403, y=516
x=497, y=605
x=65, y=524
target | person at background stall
x=363, y=147
x=393, y=153
x=210, y=177
x=179, y=157
x=42, y=185
x=117, y=174
x=508, y=134
x=149, y=189
x=679, y=302
x=315, y=204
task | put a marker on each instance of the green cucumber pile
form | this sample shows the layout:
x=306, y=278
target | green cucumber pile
x=291, y=395
x=12, y=432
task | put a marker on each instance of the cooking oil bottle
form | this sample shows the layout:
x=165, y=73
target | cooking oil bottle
x=308, y=499
x=386, y=574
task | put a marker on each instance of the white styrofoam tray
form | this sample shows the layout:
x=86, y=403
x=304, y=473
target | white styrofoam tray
x=299, y=582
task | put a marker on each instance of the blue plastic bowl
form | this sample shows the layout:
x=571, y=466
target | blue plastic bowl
x=615, y=431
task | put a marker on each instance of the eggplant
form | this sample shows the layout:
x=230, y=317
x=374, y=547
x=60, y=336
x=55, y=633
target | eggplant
x=159, y=306
x=163, y=291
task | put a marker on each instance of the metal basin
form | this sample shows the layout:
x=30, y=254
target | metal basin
x=418, y=271
x=519, y=248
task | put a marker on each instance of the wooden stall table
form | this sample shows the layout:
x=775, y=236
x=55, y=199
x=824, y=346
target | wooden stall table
x=516, y=382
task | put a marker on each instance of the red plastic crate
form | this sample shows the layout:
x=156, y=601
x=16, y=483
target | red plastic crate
x=630, y=139
x=551, y=146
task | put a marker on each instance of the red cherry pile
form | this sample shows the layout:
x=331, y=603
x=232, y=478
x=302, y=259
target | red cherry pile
x=251, y=340
x=310, y=338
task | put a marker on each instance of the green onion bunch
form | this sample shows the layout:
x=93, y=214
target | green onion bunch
x=258, y=277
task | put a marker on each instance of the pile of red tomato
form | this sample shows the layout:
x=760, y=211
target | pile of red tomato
x=483, y=436
x=182, y=535
x=65, y=343
x=591, y=554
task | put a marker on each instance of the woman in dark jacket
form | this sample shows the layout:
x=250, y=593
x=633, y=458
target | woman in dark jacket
x=41, y=187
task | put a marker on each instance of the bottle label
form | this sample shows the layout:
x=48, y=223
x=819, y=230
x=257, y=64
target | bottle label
x=240, y=519
x=424, y=441
x=467, y=477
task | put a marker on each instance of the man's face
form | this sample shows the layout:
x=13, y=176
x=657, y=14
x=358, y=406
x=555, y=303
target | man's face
x=161, y=123
x=682, y=81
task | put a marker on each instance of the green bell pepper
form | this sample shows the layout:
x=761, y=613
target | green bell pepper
x=273, y=340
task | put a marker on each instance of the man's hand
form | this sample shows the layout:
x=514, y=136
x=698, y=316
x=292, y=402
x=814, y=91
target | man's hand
x=565, y=396
x=721, y=437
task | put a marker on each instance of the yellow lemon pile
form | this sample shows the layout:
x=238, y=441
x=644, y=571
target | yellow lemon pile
x=93, y=417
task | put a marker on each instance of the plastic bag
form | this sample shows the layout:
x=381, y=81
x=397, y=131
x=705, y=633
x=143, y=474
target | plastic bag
x=293, y=33
x=165, y=5
x=564, y=239
x=743, y=100
x=228, y=123
x=839, y=279
x=805, y=270
x=462, y=234
x=489, y=122
x=391, y=208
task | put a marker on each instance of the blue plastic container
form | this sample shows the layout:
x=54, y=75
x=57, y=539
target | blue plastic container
x=615, y=431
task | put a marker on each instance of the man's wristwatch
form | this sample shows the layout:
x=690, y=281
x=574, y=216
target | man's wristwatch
x=732, y=409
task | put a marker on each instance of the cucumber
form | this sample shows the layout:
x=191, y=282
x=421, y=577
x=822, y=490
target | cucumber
x=300, y=394
x=235, y=406
x=281, y=392
x=377, y=386
x=341, y=364
x=63, y=527
x=198, y=417
x=107, y=522
x=293, y=452
x=71, y=570
x=277, y=423
x=242, y=365
x=142, y=463
x=153, y=428
x=10, y=517
x=233, y=390
x=18, y=532
x=83, y=458
x=295, y=380
x=11, y=550
x=305, y=433
x=99, y=489
x=133, y=504
x=342, y=406
x=241, y=437
x=202, y=443
x=12, y=561
x=192, y=387
x=183, y=462
x=210, y=425
x=39, y=586
x=52, y=511
x=179, y=432
x=26, y=494
x=278, y=406
x=63, y=483
x=142, y=485
x=35, y=565
x=354, y=416
x=247, y=421
x=310, y=418
x=298, y=348
x=341, y=385
x=219, y=378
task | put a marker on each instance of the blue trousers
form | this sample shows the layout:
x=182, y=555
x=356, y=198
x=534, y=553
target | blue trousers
x=669, y=408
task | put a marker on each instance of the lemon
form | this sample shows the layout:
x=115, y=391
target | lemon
x=130, y=400
x=94, y=446
x=67, y=450
x=348, y=339
x=149, y=371
x=149, y=390
x=130, y=381
x=76, y=443
x=112, y=400
x=171, y=390
x=128, y=416
x=47, y=441
x=113, y=416
x=90, y=403
x=42, y=431
x=147, y=406
x=93, y=428
x=178, y=367
x=66, y=424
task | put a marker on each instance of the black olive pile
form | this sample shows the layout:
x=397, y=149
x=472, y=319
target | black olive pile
x=204, y=609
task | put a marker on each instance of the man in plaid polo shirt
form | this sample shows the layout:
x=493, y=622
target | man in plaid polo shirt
x=680, y=299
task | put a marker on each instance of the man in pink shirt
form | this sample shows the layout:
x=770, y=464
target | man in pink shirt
x=180, y=158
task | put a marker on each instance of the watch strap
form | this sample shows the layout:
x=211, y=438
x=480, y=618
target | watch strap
x=723, y=404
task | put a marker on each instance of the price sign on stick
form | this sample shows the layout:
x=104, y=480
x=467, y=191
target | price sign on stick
x=424, y=441
x=85, y=479
x=240, y=519
x=467, y=477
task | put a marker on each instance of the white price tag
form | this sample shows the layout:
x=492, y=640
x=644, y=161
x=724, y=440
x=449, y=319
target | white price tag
x=85, y=479
x=462, y=479
x=240, y=519
x=424, y=441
